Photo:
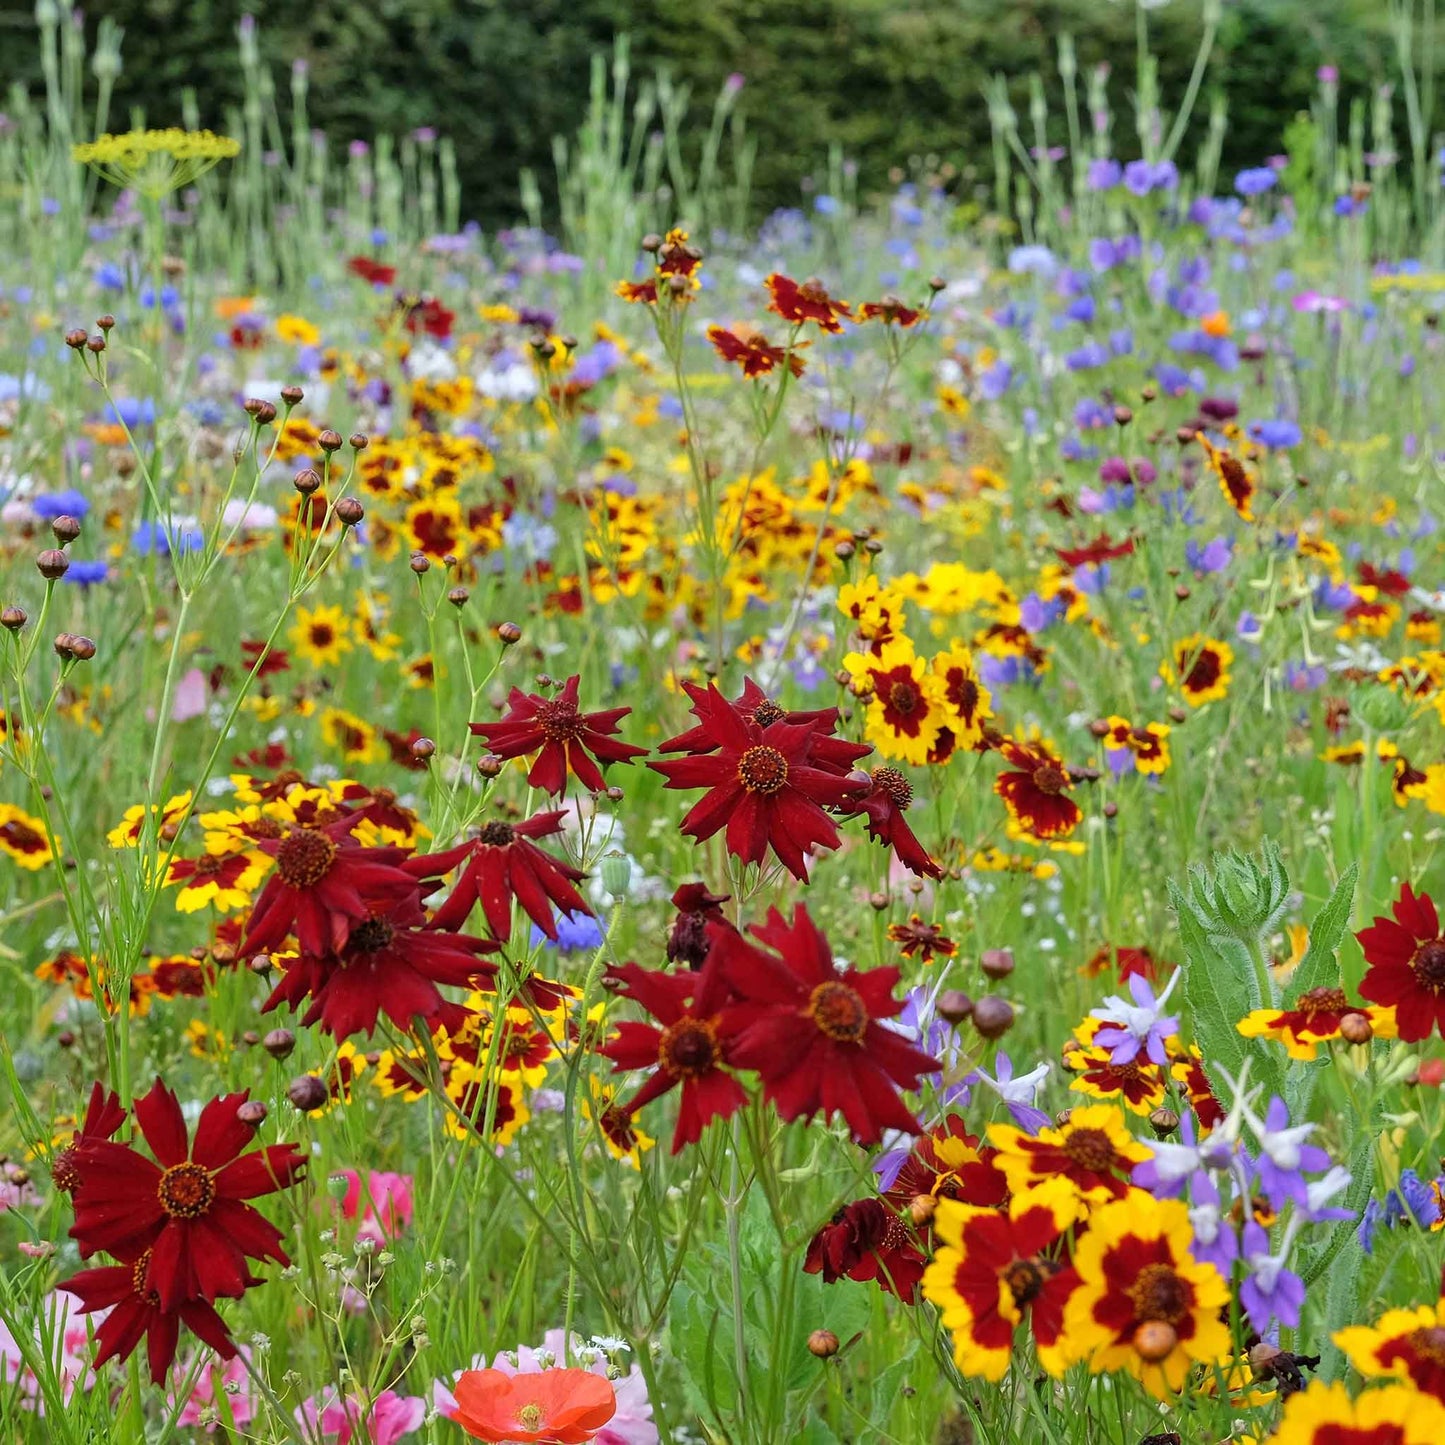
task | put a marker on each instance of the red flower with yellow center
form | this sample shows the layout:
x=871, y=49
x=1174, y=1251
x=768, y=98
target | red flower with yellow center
x=1092, y=1150
x=1201, y=668
x=884, y=804
x=1190, y=1072
x=750, y=350
x=1036, y=791
x=917, y=938
x=891, y=312
x=995, y=1268
x=1315, y=1018
x=187, y=1206
x=950, y=1163
x=1124, y=961
x=104, y=1115
x=1236, y=481
x=815, y=1032
x=564, y=739
x=223, y=880
x=1406, y=958
x=688, y=1043
x=1143, y=1303
x=1406, y=1344
x=806, y=301
x=907, y=706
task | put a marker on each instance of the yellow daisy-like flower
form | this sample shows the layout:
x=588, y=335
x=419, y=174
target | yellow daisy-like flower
x=970, y=701
x=126, y=833
x=1406, y=1344
x=907, y=703
x=523, y=1050
x=206, y=1042
x=480, y=1100
x=24, y=838
x=1325, y=1415
x=1236, y=481
x=1317, y=1016
x=1144, y=1304
x=624, y=1139
x=353, y=737
x=321, y=635
x=297, y=330
x=223, y=881
x=1093, y=1150
x=1200, y=666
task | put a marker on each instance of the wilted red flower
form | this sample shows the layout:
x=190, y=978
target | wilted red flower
x=563, y=738
x=502, y=863
x=391, y=963
x=696, y=908
x=814, y=1032
x=689, y=1049
x=867, y=1240
x=1101, y=549
x=324, y=884
x=372, y=271
x=763, y=786
x=806, y=302
x=135, y=1314
x=884, y=804
x=1036, y=793
x=750, y=350
x=104, y=1114
x=1406, y=958
x=187, y=1206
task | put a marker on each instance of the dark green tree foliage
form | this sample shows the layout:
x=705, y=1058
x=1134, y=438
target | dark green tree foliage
x=885, y=80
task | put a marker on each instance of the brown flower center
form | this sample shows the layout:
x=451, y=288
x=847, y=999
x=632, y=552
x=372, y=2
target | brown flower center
x=1430, y=1343
x=1160, y=1294
x=1090, y=1149
x=63, y=1173
x=305, y=857
x=186, y=1191
x=688, y=1049
x=768, y=712
x=814, y=291
x=1204, y=672
x=839, y=1012
x=497, y=835
x=903, y=698
x=22, y=837
x=1024, y=1279
x=1050, y=779
x=965, y=696
x=1429, y=965
x=371, y=936
x=559, y=721
x=763, y=770
x=895, y=785
x=1322, y=1001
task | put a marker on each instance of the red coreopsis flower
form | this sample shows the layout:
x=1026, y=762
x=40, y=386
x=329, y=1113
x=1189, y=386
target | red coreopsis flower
x=187, y=1206
x=868, y=1240
x=950, y=1163
x=764, y=785
x=814, y=1032
x=324, y=884
x=689, y=1044
x=808, y=301
x=1036, y=792
x=884, y=804
x=564, y=739
x=1110, y=958
x=696, y=908
x=426, y=315
x=135, y=1314
x=391, y=963
x=103, y=1116
x=919, y=939
x=501, y=864
x=1391, y=582
x=1101, y=549
x=371, y=271
x=638, y=293
x=891, y=311
x=750, y=350
x=1406, y=958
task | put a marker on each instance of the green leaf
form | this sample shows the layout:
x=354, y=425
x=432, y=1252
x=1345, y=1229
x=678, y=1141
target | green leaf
x=1319, y=968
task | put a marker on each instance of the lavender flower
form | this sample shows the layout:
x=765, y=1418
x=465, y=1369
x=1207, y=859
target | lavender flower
x=1140, y=1027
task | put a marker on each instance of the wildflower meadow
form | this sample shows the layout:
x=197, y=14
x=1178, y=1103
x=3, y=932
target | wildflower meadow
x=676, y=824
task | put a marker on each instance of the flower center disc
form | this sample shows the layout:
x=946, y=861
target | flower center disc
x=903, y=698
x=497, y=835
x=1090, y=1149
x=688, y=1049
x=1429, y=964
x=138, y=1272
x=1322, y=1001
x=839, y=1012
x=186, y=1191
x=305, y=857
x=371, y=936
x=768, y=712
x=1024, y=1279
x=1049, y=779
x=895, y=785
x=1159, y=1294
x=558, y=721
x=763, y=770
x=1430, y=1343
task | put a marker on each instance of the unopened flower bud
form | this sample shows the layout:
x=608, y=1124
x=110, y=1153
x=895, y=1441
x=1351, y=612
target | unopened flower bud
x=993, y=1017
x=878, y=902
x=997, y=962
x=350, y=512
x=260, y=964
x=922, y=1208
x=358, y=441
x=75, y=339
x=1356, y=1029
x=824, y=1344
x=1099, y=728
x=1122, y=416
x=52, y=563
x=508, y=633
x=1155, y=1340
x=252, y=1112
x=307, y=1092
x=489, y=765
x=420, y=563
x=329, y=441
x=844, y=550
x=13, y=618
x=652, y=242
x=95, y=343
x=292, y=395
x=459, y=596
x=279, y=1043
x=307, y=481
x=422, y=749
x=1163, y=1122
x=66, y=529
x=106, y=322
x=954, y=1005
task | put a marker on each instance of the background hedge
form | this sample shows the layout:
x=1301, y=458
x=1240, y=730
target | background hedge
x=886, y=79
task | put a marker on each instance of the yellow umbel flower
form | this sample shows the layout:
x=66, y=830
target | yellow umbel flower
x=156, y=162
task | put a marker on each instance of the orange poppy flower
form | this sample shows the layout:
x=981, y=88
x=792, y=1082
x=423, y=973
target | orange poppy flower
x=554, y=1407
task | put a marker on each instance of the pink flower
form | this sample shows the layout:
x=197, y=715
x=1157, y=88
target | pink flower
x=191, y=696
x=342, y=1422
x=1317, y=301
x=230, y=1380
x=631, y=1425
x=384, y=1206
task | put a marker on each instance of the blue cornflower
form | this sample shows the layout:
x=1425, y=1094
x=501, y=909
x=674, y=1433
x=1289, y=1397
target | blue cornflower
x=156, y=537
x=1279, y=433
x=1255, y=181
x=86, y=574
x=68, y=503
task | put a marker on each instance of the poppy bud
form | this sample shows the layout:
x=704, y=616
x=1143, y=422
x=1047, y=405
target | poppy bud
x=993, y=1017
x=954, y=1005
x=252, y=1112
x=509, y=634
x=616, y=873
x=279, y=1043
x=52, y=563
x=358, y=441
x=824, y=1344
x=292, y=395
x=66, y=529
x=350, y=512
x=105, y=322
x=997, y=962
x=489, y=765
x=422, y=749
x=1356, y=1029
x=329, y=441
x=14, y=618
x=307, y=481
x=75, y=339
x=459, y=596
x=420, y=563
x=1155, y=1340
x=1163, y=1122
x=307, y=1092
